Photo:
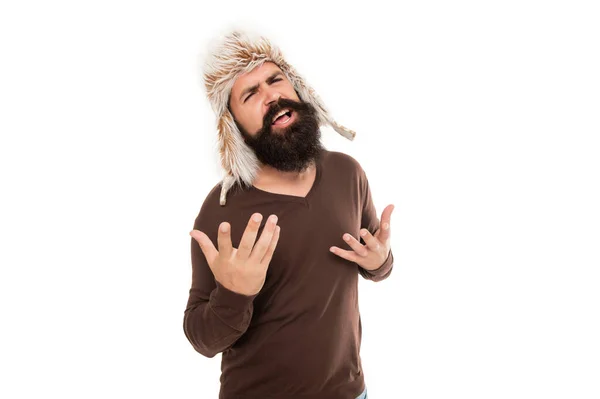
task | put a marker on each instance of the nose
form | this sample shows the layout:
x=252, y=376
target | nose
x=271, y=97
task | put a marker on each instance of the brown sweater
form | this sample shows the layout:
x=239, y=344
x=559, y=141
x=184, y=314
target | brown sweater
x=300, y=336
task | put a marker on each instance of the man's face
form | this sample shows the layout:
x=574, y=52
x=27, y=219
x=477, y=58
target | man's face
x=250, y=103
x=288, y=142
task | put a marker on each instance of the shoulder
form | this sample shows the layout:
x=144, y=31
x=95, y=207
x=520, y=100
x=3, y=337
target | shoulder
x=342, y=161
x=212, y=198
x=209, y=209
x=213, y=213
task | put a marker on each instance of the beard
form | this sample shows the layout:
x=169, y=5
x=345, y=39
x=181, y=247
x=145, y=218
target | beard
x=291, y=148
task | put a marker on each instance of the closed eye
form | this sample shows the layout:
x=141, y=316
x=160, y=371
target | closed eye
x=251, y=94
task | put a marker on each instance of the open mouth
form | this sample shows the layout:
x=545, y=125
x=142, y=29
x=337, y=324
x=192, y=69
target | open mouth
x=282, y=118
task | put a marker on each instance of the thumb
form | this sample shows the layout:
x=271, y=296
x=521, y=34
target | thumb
x=206, y=245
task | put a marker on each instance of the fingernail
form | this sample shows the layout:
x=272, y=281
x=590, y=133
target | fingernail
x=347, y=237
x=363, y=233
x=224, y=228
x=386, y=226
x=257, y=217
x=273, y=218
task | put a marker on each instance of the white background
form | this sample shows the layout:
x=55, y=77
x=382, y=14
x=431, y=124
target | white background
x=478, y=120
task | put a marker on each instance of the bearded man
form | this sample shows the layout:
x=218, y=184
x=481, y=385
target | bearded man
x=279, y=243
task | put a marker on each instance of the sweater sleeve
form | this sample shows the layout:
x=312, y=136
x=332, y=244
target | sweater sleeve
x=370, y=221
x=215, y=317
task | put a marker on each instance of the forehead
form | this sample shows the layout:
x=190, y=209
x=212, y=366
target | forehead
x=253, y=77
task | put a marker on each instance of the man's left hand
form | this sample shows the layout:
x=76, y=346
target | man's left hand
x=372, y=255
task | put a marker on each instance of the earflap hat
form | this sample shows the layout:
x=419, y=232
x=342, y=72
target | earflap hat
x=236, y=54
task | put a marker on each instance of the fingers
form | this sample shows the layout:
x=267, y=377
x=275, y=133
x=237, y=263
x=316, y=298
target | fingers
x=224, y=240
x=249, y=237
x=348, y=255
x=269, y=254
x=360, y=249
x=206, y=245
x=261, y=246
x=372, y=242
x=386, y=217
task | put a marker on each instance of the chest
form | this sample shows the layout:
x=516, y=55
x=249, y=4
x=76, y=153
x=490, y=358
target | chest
x=302, y=259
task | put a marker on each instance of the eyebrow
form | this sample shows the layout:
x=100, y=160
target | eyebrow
x=253, y=88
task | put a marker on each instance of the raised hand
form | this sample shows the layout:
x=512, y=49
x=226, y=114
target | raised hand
x=372, y=255
x=244, y=269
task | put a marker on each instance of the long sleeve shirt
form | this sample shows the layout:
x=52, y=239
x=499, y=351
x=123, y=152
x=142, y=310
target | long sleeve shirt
x=300, y=336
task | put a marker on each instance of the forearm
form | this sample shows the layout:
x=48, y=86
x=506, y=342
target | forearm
x=214, y=324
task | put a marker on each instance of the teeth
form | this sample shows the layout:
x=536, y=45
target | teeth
x=283, y=111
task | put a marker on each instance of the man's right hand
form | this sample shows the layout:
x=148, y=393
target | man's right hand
x=244, y=269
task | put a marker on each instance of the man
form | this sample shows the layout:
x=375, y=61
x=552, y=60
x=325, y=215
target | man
x=276, y=250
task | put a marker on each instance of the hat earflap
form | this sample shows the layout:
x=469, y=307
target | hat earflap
x=238, y=159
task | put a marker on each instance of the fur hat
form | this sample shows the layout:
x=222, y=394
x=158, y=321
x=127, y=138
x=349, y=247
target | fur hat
x=239, y=53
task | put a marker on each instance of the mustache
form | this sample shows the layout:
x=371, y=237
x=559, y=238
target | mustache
x=282, y=103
